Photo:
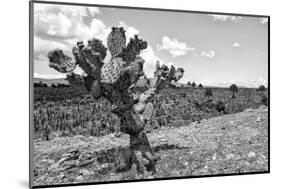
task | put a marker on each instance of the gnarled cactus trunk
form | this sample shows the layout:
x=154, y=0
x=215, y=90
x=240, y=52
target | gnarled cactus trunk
x=141, y=150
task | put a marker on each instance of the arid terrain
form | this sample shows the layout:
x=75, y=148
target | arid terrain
x=226, y=144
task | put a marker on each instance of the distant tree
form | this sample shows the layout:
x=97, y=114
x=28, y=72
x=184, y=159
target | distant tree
x=36, y=85
x=44, y=85
x=193, y=84
x=40, y=84
x=54, y=85
x=261, y=88
x=189, y=83
x=208, y=93
x=234, y=89
x=200, y=86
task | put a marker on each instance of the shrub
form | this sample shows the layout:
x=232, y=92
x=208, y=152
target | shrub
x=208, y=93
x=261, y=88
x=234, y=89
x=193, y=84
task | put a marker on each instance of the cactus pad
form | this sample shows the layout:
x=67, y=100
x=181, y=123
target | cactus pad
x=133, y=49
x=116, y=41
x=111, y=71
x=60, y=62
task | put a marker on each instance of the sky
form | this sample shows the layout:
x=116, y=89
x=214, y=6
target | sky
x=215, y=50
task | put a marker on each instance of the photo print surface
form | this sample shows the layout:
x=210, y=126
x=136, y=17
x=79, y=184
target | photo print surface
x=124, y=94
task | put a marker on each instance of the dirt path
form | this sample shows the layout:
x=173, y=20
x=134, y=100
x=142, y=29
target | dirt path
x=227, y=144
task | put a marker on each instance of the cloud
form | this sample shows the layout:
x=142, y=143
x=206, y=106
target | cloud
x=210, y=54
x=62, y=26
x=263, y=20
x=150, y=60
x=49, y=76
x=42, y=46
x=236, y=44
x=65, y=22
x=252, y=83
x=218, y=17
x=174, y=47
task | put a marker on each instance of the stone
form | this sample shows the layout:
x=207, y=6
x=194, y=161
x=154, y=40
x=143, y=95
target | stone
x=230, y=156
x=84, y=172
x=79, y=178
x=214, y=157
x=251, y=154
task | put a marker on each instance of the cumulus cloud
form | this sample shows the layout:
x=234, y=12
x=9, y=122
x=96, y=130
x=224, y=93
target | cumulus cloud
x=252, y=83
x=263, y=20
x=150, y=60
x=62, y=26
x=49, y=76
x=236, y=44
x=66, y=22
x=209, y=54
x=218, y=17
x=174, y=47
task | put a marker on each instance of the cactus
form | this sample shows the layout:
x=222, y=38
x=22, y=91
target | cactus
x=116, y=41
x=114, y=80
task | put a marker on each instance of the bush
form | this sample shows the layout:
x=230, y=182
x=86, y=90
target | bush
x=193, y=84
x=234, y=89
x=208, y=93
x=264, y=100
x=261, y=88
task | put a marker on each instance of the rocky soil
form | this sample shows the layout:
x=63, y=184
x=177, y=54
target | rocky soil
x=234, y=143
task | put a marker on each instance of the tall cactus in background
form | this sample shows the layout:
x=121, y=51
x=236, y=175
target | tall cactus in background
x=115, y=80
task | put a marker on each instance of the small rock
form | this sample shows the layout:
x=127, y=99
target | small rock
x=230, y=156
x=231, y=122
x=84, y=172
x=248, y=110
x=163, y=140
x=61, y=176
x=251, y=154
x=215, y=156
x=66, y=155
x=259, y=119
x=79, y=178
x=263, y=108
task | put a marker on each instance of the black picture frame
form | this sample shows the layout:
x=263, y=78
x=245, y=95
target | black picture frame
x=31, y=89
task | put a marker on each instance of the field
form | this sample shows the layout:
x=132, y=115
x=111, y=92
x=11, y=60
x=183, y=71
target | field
x=78, y=140
x=68, y=111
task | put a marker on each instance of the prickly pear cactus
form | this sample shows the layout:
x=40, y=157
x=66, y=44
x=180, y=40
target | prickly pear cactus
x=115, y=80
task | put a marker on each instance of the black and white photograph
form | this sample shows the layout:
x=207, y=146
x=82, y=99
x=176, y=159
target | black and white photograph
x=124, y=94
